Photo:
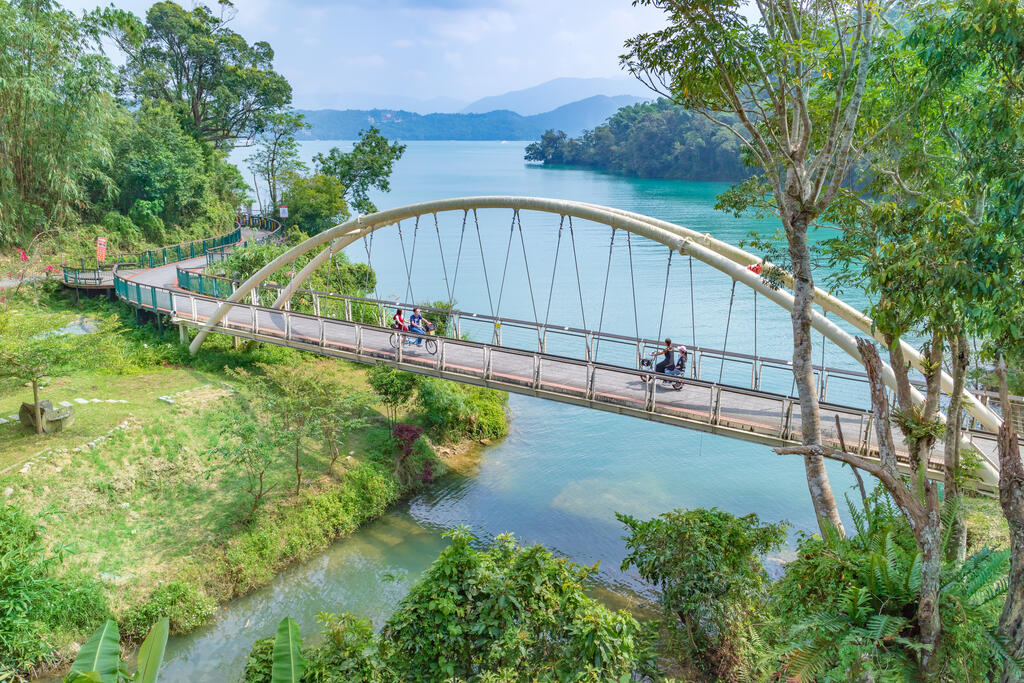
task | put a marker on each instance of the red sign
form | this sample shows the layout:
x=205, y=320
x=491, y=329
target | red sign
x=101, y=249
x=284, y=211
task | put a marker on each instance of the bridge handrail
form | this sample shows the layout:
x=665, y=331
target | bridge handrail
x=149, y=259
x=185, y=276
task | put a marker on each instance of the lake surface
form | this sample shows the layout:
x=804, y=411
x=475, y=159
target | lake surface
x=563, y=472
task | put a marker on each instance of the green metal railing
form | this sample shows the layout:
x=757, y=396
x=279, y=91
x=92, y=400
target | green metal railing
x=93, y=274
x=200, y=283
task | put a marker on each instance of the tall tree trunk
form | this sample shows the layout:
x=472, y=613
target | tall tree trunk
x=929, y=540
x=824, y=501
x=1011, y=499
x=958, y=351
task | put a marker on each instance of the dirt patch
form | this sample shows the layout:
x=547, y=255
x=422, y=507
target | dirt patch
x=463, y=457
x=196, y=400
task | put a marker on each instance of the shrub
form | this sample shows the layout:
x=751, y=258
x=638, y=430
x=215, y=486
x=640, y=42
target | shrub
x=184, y=604
x=707, y=566
x=34, y=603
x=455, y=411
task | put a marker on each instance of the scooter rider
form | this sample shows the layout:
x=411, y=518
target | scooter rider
x=668, y=362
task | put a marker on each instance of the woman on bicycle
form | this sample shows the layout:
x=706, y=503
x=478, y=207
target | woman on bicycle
x=399, y=322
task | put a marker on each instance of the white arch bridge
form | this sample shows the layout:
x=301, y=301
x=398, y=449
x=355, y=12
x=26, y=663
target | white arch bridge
x=579, y=362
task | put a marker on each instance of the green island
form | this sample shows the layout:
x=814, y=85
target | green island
x=210, y=391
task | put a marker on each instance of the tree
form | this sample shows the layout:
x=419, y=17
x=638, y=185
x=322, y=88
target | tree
x=30, y=359
x=53, y=102
x=293, y=399
x=795, y=78
x=315, y=202
x=707, y=566
x=251, y=447
x=394, y=388
x=277, y=151
x=220, y=86
x=368, y=166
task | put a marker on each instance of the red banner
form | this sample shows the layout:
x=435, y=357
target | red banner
x=101, y=249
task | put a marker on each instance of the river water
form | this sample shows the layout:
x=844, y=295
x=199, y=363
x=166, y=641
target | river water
x=563, y=471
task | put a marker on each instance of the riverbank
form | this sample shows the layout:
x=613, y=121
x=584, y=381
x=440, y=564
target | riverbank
x=140, y=493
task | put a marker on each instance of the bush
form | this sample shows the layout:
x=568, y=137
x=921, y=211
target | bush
x=184, y=604
x=457, y=411
x=34, y=603
x=297, y=532
x=707, y=565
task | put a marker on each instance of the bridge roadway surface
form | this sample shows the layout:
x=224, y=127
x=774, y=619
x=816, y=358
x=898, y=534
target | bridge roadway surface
x=737, y=412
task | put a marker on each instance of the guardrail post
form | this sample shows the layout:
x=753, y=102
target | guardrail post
x=536, y=372
x=255, y=320
x=716, y=416
x=650, y=389
x=867, y=434
x=698, y=363
x=195, y=318
x=287, y=326
x=487, y=362
x=591, y=379
x=316, y=305
x=588, y=340
x=401, y=346
x=440, y=354
x=348, y=310
x=359, y=339
x=784, y=422
x=323, y=331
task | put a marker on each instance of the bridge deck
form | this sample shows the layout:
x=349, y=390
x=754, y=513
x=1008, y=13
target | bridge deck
x=738, y=412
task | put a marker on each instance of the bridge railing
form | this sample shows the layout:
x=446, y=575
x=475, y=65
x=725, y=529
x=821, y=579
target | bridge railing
x=757, y=372
x=701, y=403
x=93, y=274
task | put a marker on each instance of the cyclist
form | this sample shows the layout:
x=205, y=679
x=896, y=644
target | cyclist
x=668, y=362
x=399, y=323
x=418, y=324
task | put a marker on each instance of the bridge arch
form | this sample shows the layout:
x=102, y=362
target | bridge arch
x=720, y=255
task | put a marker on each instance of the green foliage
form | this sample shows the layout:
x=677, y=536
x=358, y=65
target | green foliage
x=848, y=606
x=649, y=140
x=315, y=203
x=184, y=604
x=277, y=151
x=368, y=166
x=99, y=660
x=219, y=86
x=504, y=613
x=289, y=664
x=457, y=411
x=35, y=605
x=707, y=566
x=394, y=388
x=51, y=116
x=297, y=532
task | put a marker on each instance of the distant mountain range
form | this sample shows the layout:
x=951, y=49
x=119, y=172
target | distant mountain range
x=558, y=92
x=573, y=118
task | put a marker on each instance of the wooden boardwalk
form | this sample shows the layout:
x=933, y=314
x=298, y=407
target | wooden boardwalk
x=737, y=412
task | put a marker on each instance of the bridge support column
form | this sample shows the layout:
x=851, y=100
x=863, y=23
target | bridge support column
x=182, y=335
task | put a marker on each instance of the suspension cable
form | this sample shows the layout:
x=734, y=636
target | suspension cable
x=526, y=263
x=440, y=250
x=664, y=296
x=405, y=262
x=504, y=271
x=693, y=319
x=728, y=319
x=554, y=270
x=632, y=283
x=412, y=257
x=579, y=286
x=458, y=259
x=604, y=295
x=487, y=280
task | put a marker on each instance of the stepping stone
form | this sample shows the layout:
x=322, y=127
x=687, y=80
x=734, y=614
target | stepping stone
x=13, y=418
x=66, y=404
x=81, y=400
x=97, y=400
x=110, y=400
x=121, y=401
x=3, y=421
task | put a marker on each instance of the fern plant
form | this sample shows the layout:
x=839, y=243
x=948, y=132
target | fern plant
x=852, y=605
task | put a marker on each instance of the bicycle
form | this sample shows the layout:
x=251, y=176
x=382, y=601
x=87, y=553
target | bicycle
x=429, y=343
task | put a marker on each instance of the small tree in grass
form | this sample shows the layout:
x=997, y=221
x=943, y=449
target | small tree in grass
x=29, y=359
x=251, y=447
x=394, y=388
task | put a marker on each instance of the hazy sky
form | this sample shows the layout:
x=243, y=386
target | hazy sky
x=464, y=49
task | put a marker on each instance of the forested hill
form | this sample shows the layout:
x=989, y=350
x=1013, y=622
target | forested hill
x=575, y=117
x=648, y=140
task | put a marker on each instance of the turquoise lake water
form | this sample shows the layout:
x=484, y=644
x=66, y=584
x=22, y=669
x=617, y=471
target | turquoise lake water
x=563, y=472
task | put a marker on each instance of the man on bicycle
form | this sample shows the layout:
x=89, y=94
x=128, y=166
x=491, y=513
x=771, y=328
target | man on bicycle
x=418, y=324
